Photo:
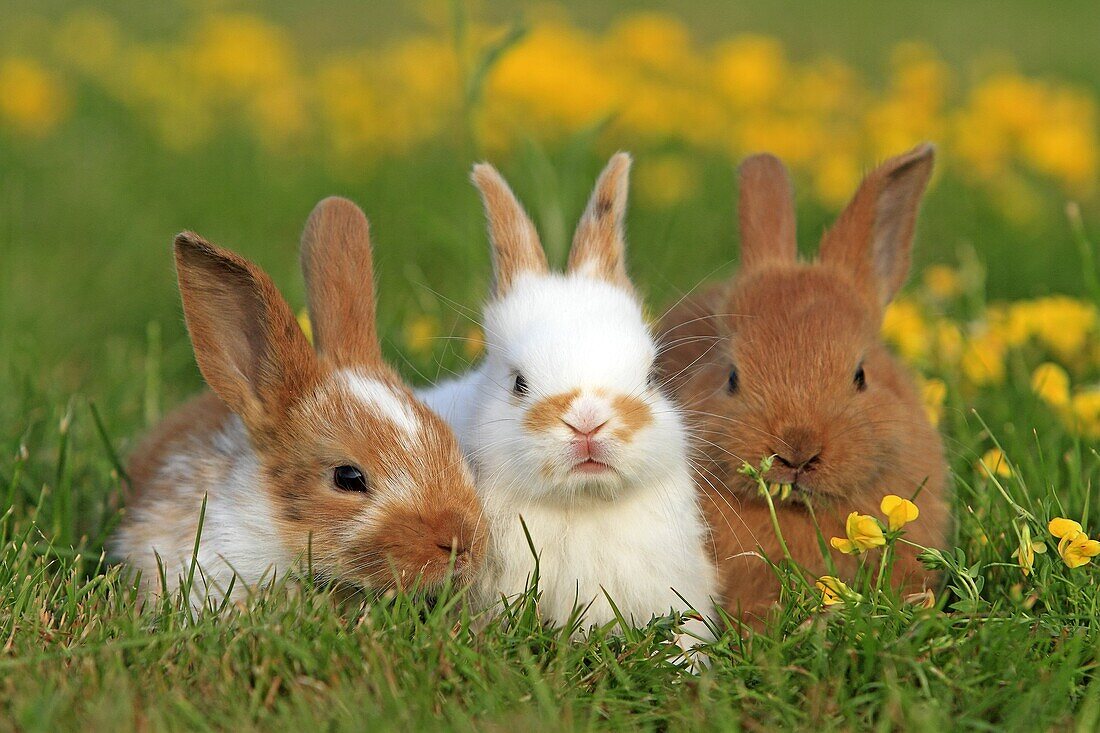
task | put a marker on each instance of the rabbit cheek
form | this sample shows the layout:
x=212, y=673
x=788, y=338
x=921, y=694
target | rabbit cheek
x=632, y=416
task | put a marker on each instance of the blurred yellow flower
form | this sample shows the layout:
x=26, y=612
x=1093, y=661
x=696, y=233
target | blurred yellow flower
x=983, y=359
x=1085, y=412
x=863, y=533
x=749, y=69
x=933, y=395
x=305, y=324
x=421, y=333
x=904, y=326
x=942, y=282
x=474, y=343
x=32, y=99
x=1051, y=383
x=899, y=512
x=994, y=463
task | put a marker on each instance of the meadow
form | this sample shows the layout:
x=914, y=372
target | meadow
x=122, y=124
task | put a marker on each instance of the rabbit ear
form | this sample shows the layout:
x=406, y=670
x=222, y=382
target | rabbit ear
x=248, y=344
x=336, y=261
x=598, y=245
x=765, y=210
x=512, y=236
x=873, y=237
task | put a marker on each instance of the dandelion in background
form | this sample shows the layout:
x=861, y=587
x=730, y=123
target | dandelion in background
x=1051, y=383
x=994, y=463
x=32, y=100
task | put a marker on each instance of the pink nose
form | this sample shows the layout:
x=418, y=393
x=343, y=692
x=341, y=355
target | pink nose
x=586, y=428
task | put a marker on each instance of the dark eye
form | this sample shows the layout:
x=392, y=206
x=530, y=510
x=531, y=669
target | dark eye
x=734, y=381
x=520, y=387
x=860, y=378
x=349, y=478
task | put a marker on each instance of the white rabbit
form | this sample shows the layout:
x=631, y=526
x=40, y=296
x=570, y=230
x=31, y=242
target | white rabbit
x=566, y=427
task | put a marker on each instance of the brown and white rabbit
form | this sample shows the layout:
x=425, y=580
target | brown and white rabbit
x=786, y=360
x=322, y=457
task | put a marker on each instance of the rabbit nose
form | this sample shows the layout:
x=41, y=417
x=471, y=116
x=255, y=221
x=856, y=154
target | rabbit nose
x=799, y=451
x=584, y=428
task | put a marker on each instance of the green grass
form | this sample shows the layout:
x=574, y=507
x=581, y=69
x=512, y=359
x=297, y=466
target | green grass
x=93, y=351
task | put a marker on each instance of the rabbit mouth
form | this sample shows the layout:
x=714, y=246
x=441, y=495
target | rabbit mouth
x=590, y=466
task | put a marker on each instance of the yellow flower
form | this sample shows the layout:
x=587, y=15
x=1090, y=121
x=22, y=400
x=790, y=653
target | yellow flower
x=925, y=599
x=905, y=327
x=942, y=282
x=899, y=512
x=1077, y=549
x=864, y=533
x=306, y=324
x=666, y=181
x=474, y=343
x=1062, y=527
x=834, y=590
x=994, y=463
x=933, y=394
x=421, y=333
x=32, y=99
x=1085, y=412
x=1051, y=383
x=983, y=360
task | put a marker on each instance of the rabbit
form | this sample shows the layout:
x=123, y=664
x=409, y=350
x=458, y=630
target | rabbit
x=786, y=360
x=322, y=457
x=569, y=433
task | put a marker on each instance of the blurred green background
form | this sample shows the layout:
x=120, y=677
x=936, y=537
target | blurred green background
x=122, y=123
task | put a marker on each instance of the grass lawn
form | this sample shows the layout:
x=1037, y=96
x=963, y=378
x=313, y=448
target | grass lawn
x=96, y=176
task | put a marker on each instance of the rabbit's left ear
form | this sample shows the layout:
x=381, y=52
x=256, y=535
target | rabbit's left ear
x=599, y=247
x=873, y=237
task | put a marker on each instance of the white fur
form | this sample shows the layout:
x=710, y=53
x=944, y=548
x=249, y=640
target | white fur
x=238, y=531
x=382, y=401
x=639, y=535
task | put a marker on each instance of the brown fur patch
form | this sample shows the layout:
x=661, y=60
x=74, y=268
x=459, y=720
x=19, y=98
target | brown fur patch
x=766, y=212
x=336, y=262
x=633, y=414
x=547, y=412
x=512, y=235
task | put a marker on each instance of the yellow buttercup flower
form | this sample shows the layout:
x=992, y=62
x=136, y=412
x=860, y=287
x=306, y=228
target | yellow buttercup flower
x=32, y=99
x=1062, y=527
x=833, y=590
x=1077, y=549
x=899, y=512
x=1085, y=412
x=864, y=533
x=994, y=463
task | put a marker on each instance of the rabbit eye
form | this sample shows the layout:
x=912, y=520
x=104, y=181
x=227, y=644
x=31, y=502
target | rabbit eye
x=860, y=378
x=520, y=387
x=734, y=381
x=349, y=478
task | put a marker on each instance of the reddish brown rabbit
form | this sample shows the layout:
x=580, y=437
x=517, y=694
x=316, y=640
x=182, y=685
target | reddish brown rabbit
x=786, y=360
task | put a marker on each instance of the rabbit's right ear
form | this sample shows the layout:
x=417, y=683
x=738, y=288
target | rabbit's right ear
x=515, y=243
x=247, y=342
x=337, y=264
x=765, y=211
